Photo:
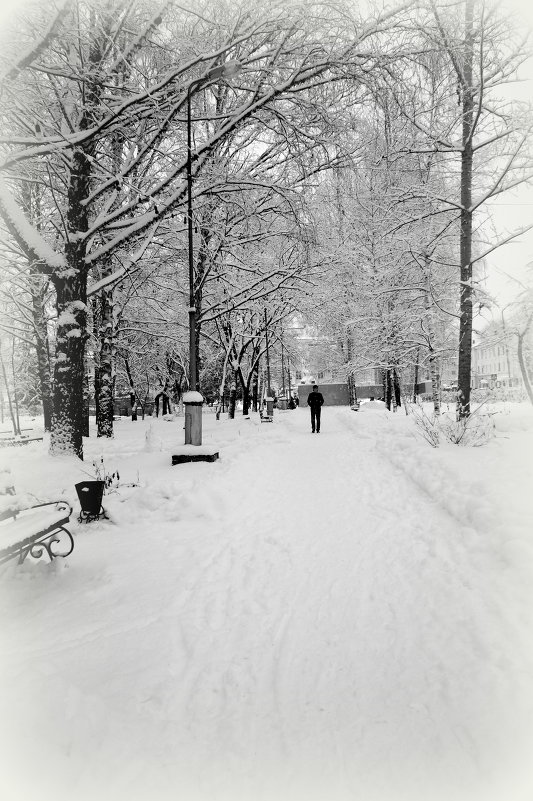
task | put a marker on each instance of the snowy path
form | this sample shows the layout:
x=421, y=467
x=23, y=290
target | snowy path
x=329, y=631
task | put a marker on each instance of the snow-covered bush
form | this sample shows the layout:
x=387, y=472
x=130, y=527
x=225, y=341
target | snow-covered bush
x=427, y=425
x=475, y=430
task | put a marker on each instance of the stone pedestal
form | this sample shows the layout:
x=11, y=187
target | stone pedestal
x=192, y=403
x=193, y=450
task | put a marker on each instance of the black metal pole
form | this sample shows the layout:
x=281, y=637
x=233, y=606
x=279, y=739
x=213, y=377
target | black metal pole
x=269, y=389
x=282, y=369
x=193, y=380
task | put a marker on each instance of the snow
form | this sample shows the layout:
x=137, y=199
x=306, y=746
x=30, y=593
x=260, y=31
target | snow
x=66, y=318
x=28, y=523
x=373, y=406
x=192, y=397
x=109, y=279
x=194, y=450
x=27, y=232
x=333, y=617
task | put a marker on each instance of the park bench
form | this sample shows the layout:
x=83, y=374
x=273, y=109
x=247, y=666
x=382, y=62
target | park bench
x=6, y=441
x=34, y=529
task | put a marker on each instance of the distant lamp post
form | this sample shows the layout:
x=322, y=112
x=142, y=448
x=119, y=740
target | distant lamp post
x=226, y=70
x=269, y=388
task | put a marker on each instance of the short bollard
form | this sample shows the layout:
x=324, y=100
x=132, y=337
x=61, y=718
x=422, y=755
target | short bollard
x=193, y=402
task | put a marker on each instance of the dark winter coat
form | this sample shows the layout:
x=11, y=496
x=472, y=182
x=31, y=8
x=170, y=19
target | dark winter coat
x=315, y=400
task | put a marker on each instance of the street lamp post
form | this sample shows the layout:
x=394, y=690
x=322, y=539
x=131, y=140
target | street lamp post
x=269, y=389
x=282, y=369
x=225, y=70
x=192, y=302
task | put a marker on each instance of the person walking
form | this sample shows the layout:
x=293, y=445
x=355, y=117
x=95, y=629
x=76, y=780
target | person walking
x=315, y=399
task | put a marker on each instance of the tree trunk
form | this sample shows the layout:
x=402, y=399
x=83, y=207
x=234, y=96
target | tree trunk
x=246, y=400
x=387, y=388
x=435, y=382
x=255, y=388
x=86, y=398
x=465, y=325
x=104, y=384
x=245, y=386
x=433, y=369
x=11, y=410
x=415, y=377
x=232, y=397
x=199, y=277
x=223, y=383
x=393, y=390
x=68, y=416
x=523, y=366
x=71, y=283
x=133, y=392
x=31, y=200
x=15, y=395
x=43, y=359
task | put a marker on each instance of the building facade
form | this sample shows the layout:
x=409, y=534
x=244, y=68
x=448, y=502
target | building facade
x=495, y=362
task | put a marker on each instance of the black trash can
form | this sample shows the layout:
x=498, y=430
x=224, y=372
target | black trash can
x=90, y=494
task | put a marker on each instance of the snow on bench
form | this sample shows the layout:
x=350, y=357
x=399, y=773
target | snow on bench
x=35, y=529
x=8, y=441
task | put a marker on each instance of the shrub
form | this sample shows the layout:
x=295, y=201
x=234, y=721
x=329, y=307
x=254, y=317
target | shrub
x=475, y=430
x=427, y=425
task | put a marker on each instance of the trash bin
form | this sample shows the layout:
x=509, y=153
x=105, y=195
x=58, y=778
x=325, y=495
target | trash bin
x=90, y=494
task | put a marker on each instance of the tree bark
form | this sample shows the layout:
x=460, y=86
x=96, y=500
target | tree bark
x=104, y=366
x=42, y=349
x=465, y=324
x=246, y=400
x=71, y=283
x=415, y=377
x=31, y=200
x=255, y=388
x=11, y=410
x=232, y=397
x=523, y=366
x=433, y=368
x=68, y=416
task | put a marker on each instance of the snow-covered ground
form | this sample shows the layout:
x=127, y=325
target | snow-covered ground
x=311, y=618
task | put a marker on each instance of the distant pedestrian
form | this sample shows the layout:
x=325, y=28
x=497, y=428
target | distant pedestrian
x=315, y=400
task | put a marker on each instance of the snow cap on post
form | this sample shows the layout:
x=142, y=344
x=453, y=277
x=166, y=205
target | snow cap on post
x=192, y=397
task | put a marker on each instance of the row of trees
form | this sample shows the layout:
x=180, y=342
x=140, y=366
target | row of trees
x=339, y=173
